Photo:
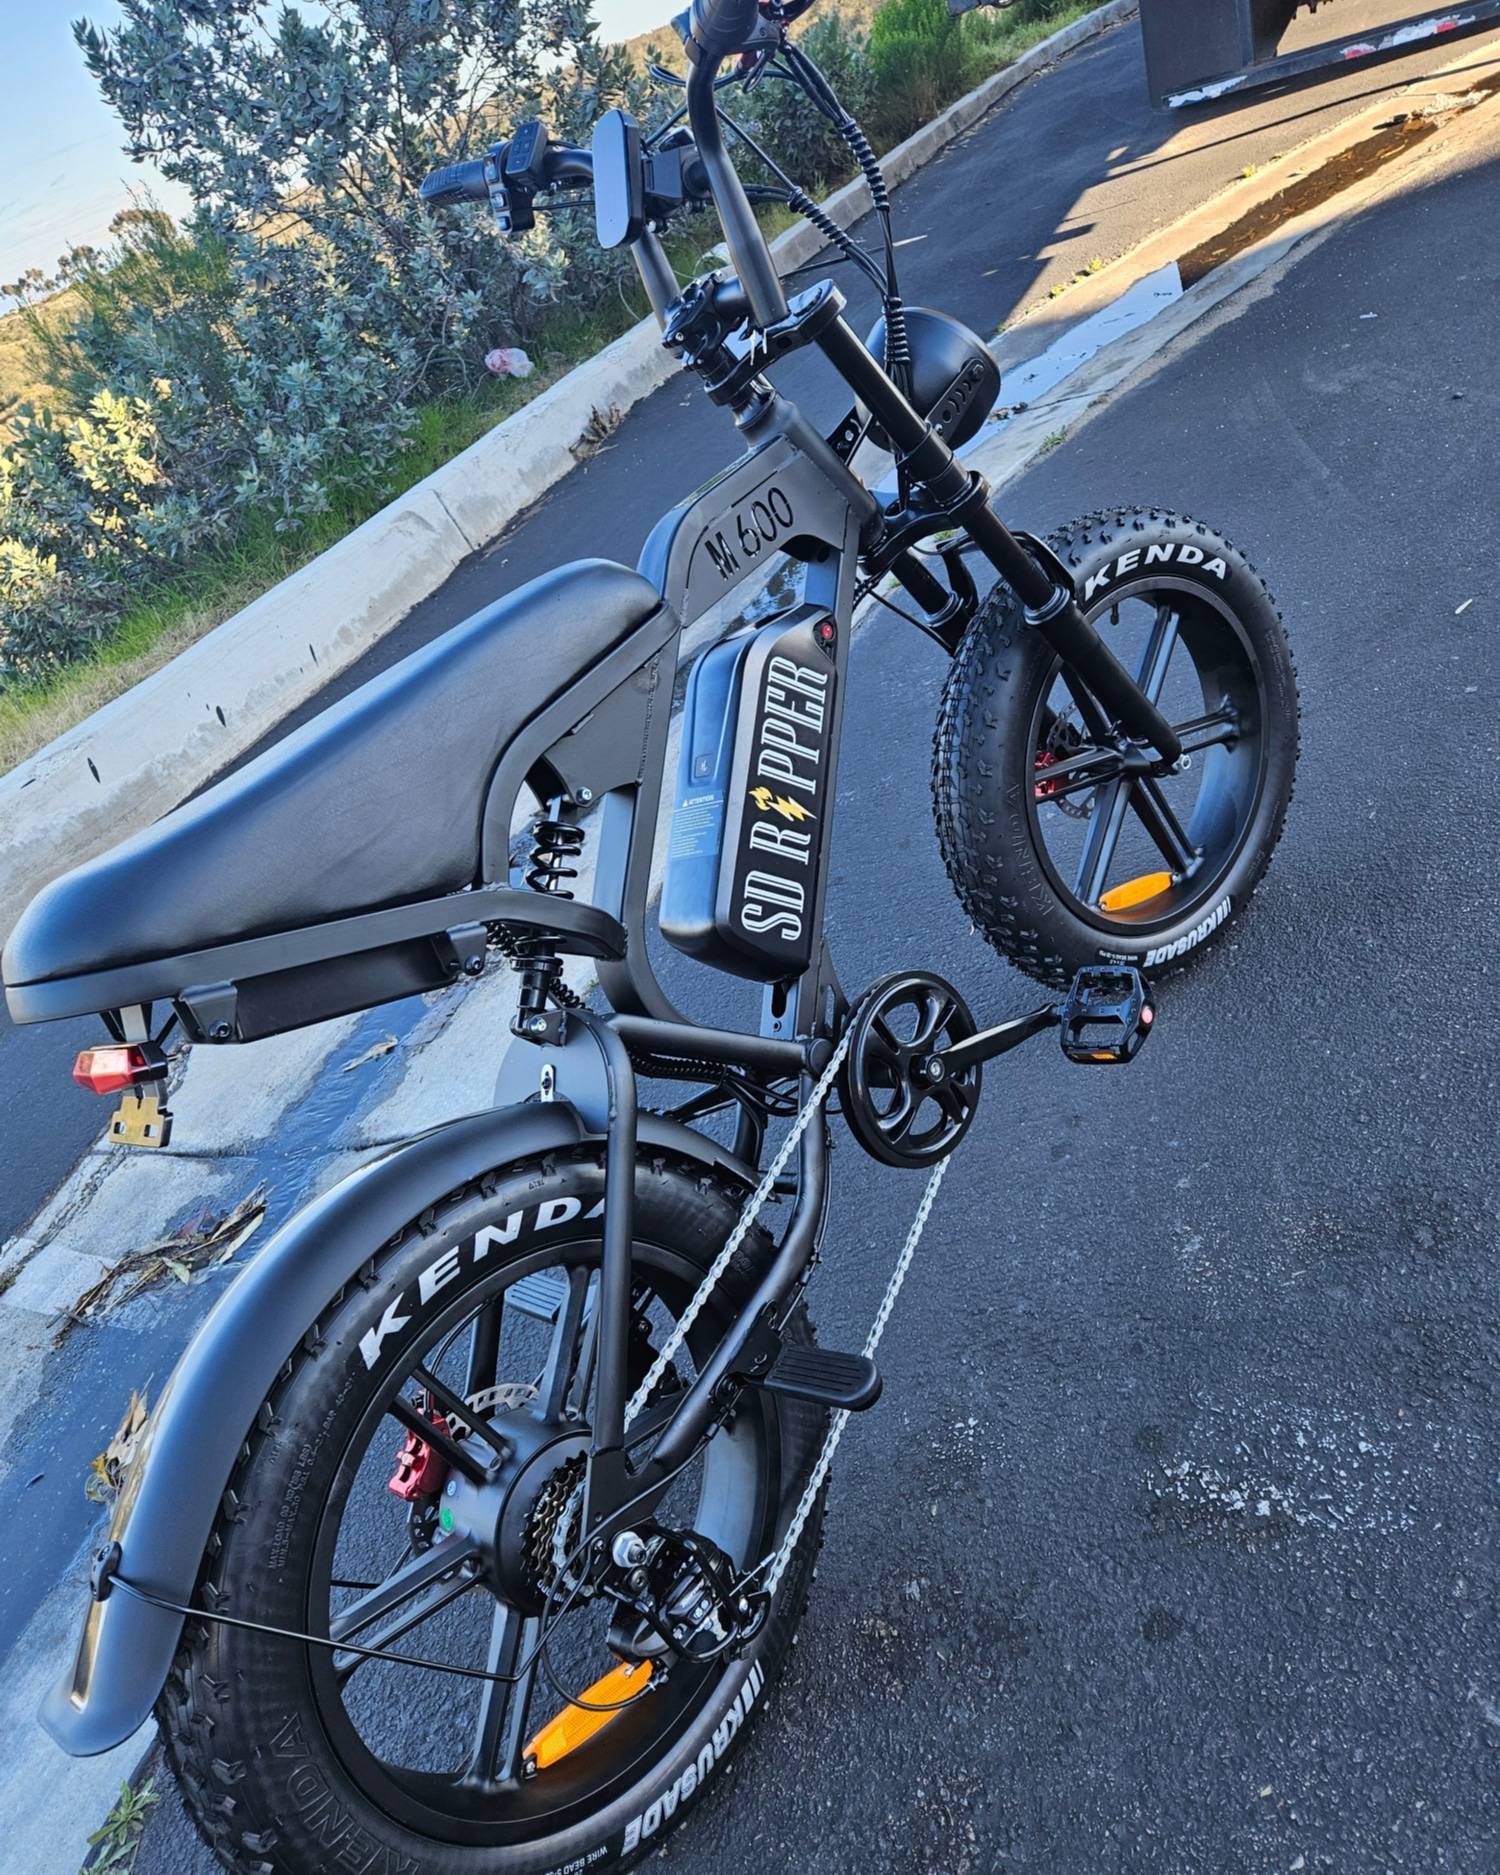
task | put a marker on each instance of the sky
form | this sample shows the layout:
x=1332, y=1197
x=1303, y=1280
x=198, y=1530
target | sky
x=63, y=173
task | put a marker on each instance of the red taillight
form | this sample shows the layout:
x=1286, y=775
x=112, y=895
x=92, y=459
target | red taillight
x=107, y=1070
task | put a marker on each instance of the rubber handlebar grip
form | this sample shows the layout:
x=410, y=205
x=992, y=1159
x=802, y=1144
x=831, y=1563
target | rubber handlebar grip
x=459, y=182
x=720, y=27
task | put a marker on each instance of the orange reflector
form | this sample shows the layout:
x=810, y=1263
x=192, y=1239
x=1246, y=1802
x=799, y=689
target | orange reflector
x=1134, y=891
x=576, y=1725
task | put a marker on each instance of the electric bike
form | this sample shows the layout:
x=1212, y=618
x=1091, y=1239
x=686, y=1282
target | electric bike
x=478, y=1517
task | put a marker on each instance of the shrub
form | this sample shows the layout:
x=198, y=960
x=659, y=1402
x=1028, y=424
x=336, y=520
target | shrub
x=246, y=372
x=319, y=126
x=919, y=59
x=801, y=139
x=75, y=516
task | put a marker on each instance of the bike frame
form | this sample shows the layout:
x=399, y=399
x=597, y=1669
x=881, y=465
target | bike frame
x=696, y=557
x=599, y=747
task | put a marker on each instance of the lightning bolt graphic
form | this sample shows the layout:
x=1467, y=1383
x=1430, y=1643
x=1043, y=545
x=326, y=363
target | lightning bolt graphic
x=788, y=810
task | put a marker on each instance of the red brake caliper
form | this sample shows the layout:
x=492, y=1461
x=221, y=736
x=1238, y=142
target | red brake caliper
x=1044, y=759
x=420, y=1471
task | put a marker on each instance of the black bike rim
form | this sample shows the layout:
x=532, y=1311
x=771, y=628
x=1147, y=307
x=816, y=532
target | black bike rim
x=1210, y=662
x=733, y=1510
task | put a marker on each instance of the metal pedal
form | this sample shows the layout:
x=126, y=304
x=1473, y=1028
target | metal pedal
x=845, y=1382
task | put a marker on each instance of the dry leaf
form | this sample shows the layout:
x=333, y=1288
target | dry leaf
x=211, y=1237
x=107, y=1471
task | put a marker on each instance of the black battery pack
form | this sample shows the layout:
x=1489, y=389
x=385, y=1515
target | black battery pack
x=746, y=848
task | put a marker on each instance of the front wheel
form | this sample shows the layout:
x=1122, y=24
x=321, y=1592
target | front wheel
x=1059, y=868
x=342, y=1521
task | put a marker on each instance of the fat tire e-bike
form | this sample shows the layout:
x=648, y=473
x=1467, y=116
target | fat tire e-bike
x=478, y=1517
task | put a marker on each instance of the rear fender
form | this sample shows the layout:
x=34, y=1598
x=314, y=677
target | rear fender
x=177, y=1479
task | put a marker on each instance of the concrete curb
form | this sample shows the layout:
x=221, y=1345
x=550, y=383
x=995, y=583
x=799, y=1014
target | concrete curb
x=131, y=761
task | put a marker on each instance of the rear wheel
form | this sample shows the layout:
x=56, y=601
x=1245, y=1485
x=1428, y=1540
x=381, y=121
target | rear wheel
x=1060, y=869
x=340, y=1521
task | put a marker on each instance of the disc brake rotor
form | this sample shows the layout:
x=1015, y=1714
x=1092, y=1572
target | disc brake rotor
x=489, y=1401
x=1063, y=739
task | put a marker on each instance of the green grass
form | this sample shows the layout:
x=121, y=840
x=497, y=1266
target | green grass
x=117, y=1841
x=169, y=617
x=999, y=38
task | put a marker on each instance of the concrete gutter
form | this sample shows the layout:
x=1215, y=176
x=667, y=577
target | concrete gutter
x=140, y=755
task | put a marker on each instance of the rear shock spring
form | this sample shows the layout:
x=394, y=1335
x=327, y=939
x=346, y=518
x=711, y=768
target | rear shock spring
x=555, y=844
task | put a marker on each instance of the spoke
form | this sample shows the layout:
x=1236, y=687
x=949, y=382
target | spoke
x=408, y=1580
x=881, y=1049
x=448, y=1403
x=1103, y=837
x=1154, y=812
x=1091, y=769
x=895, y=1124
x=1095, y=721
x=440, y=1594
x=1207, y=732
x=484, y=1348
x=1158, y=653
x=882, y=1031
x=438, y=1437
x=583, y=1373
x=897, y=1132
x=503, y=1707
x=563, y=1353
x=953, y=1098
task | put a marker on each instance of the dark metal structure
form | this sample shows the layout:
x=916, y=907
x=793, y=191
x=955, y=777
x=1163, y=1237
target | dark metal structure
x=1201, y=50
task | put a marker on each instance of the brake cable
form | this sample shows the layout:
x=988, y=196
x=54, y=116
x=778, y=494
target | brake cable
x=107, y=1578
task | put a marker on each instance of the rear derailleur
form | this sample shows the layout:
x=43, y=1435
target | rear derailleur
x=678, y=1596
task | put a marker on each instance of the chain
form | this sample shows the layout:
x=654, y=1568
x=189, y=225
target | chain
x=561, y=1539
x=778, y=1562
x=741, y=1231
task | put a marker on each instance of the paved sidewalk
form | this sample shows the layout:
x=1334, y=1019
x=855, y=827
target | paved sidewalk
x=1173, y=1544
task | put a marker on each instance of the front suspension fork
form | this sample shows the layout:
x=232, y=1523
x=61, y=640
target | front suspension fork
x=1040, y=582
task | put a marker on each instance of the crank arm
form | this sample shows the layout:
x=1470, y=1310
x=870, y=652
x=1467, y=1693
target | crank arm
x=987, y=1044
x=1109, y=998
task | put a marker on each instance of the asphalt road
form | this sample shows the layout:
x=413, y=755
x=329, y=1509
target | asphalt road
x=1075, y=166
x=1172, y=1544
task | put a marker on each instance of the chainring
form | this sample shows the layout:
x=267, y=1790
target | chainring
x=902, y=1105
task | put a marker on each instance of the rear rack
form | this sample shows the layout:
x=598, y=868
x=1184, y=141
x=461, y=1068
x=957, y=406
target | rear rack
x=260, y=986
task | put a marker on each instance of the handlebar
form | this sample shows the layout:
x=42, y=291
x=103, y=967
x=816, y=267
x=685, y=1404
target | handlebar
x=470, y=182
x=748, y=252
x=529, y=164
x=719, y=27
x=459, y=182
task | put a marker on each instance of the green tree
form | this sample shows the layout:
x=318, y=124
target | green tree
x=288, y=123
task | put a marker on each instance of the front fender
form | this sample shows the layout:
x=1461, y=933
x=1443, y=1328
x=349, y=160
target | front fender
x=172, y=1493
